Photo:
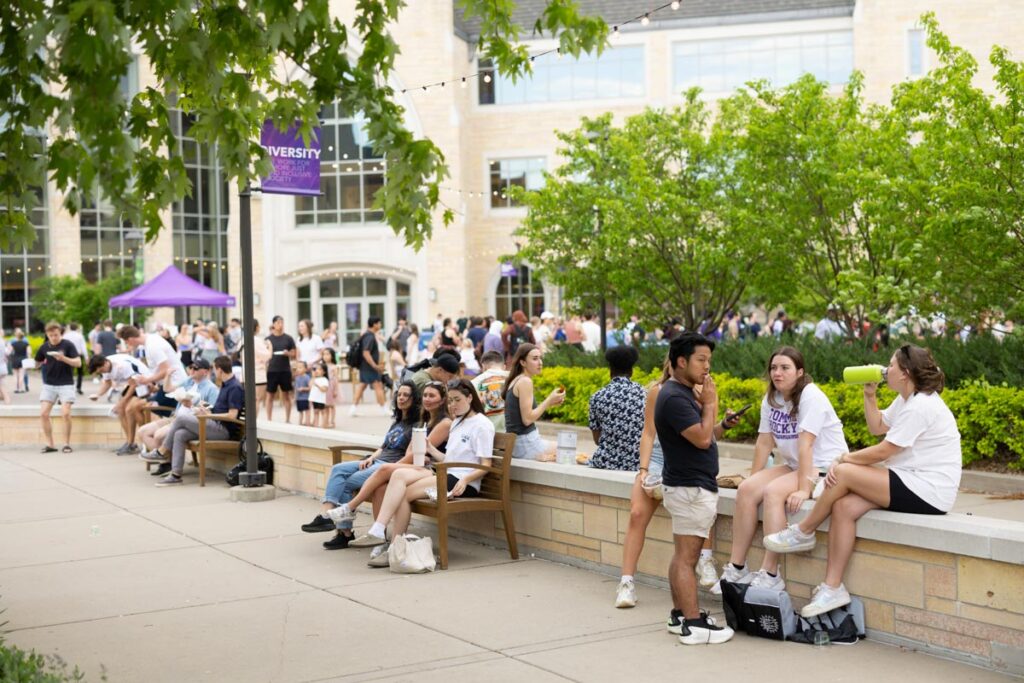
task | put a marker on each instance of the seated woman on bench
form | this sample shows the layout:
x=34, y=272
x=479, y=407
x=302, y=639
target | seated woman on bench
x=920, y=472
x=437, y=424
x=471, y=440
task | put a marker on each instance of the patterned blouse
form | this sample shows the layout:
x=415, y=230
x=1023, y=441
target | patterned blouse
x=617, y=409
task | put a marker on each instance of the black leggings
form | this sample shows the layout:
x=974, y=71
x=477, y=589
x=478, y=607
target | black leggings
x=902, y=499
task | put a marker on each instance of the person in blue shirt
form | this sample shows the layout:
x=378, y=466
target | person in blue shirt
x=185, y=427
x=198, y=385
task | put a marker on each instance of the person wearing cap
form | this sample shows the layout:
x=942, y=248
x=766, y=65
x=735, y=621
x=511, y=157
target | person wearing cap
x=828, y=328
x=444, y=367
x=197, y=390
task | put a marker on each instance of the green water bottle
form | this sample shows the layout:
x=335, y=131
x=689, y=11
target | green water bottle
x=865, y=374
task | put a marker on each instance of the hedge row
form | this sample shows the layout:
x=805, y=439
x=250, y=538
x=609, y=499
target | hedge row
x=981, y=358
x=991, y=418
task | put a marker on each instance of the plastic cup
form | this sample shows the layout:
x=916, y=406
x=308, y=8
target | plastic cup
x=419, y=446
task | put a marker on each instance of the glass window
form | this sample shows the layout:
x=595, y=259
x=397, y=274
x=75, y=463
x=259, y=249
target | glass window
x=20, y=272
x=330, y=289
x=617, y=73
x=727, y=64
x=519, y=292
x=352, y=286
x=526, y=173
x=915, y=52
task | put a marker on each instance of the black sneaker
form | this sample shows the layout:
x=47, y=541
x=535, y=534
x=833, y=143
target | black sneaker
x=675, y=620
x=704, y=631
x=339, y=542
x=318, y=524
x=164, y=468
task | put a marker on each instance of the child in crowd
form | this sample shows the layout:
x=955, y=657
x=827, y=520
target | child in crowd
x=328, y=360
x=301, y=380
x=318, y=394
x=471, y=368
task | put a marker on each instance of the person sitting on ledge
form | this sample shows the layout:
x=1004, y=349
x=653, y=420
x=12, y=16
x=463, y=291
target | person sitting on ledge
x=471, y=440
x=521, y=409
x=348, y=477
x=920, y=473
x=617, y=414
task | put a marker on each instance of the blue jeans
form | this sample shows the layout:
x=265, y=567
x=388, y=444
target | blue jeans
x=346, y=478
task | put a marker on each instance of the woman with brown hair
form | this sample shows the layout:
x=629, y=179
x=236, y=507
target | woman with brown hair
x=521, y=408
x=920, y=474
x=798, y=424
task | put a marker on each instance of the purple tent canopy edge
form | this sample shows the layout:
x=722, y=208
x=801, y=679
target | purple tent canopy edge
x=172, y=288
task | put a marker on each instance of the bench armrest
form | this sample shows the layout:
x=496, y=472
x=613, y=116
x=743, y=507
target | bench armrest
x=233, y=420
x=442, y=467
x=338, y=451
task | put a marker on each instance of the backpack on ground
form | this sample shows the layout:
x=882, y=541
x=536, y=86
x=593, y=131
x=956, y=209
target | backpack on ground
x=844, y=625
x=758, y=611
x=264, y=464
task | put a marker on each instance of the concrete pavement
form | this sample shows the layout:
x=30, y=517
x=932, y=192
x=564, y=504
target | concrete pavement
x=179, y=584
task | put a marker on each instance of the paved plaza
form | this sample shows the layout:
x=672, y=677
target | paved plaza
x=147, y=584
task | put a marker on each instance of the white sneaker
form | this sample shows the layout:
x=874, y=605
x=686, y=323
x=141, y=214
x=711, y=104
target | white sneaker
x=352, y=411
x=762, y=579
x=826, y=598
x=707, y=575
x=704, y=632
x=379, y=557
x=732, y=575
x=341, y=514
x=626, y=596
x=790, y=540
x=385, y=410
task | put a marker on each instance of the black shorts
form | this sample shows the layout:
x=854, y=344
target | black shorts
x=302, y=405
x=317, y=405
x=470, y=492
x=281, y=379
x=902, y=499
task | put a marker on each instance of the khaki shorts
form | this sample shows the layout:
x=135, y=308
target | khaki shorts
x=693, y=509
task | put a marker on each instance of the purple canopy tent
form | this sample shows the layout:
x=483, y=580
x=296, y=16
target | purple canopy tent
x=171, y=288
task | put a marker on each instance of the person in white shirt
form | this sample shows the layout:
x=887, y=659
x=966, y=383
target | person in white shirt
x=920, y=473
x=125, y=374
x=74, y=335
x=309, y=344
x=828, y=328
x=591, y=334
x=470, y=440
x=800, y=425
x=166, y=370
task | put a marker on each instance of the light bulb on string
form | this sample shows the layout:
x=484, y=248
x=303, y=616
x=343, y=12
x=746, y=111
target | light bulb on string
x=646, y=20
x=487, y=78
x=464, y=82
x=674, y=5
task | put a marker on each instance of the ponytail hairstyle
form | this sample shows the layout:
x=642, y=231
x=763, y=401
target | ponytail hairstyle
x=919, y=364
x=801, y=381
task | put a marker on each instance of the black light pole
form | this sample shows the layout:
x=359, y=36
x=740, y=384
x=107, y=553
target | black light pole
x=252, y=477
x=602, y=314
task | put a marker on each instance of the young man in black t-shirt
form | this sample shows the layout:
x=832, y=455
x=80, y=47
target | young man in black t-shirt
x=687, y=424
x=279, y=368
x=371, y=368
x=56, y=359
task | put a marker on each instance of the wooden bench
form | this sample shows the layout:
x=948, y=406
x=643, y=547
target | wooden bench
x=202, y=446
x=338, y=452
x=495, y=495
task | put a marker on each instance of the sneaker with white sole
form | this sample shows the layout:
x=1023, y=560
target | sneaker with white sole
x=704, y=631
x=171, y=479
x=626, y=594
x=341, y=514
x=379, y=557
x=154, y=457
x=790, y=540
x=386, y=410
x=675, y=620
x=762, y=579
x=353, y=411
x=825, y=599
x=707, y=575
x=733, y=575
x=367, y=541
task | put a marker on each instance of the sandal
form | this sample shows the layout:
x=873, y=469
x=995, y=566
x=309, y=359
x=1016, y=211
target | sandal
x=48, y=449
x=66, y=449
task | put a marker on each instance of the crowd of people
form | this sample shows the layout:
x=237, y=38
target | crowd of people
x=476, y=378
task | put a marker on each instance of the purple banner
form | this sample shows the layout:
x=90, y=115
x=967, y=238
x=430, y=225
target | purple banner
x=296, y=167
x=509, y=270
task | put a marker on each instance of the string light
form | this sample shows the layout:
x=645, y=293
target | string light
x=646, y=20
x=674, y=5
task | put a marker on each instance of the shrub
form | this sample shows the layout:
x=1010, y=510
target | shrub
x=19, y=666
x=990, y=418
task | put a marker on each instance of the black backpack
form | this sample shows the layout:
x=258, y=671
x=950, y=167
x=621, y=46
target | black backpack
x=265, y=464
x=518, y=335
x=354, y=357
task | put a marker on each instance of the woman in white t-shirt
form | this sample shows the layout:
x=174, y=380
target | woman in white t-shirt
x=920, y=475
x=470, y=441
x=798, y=424
x=309, y=344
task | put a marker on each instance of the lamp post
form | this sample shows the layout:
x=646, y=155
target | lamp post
x=252, y=476
x=602, y=313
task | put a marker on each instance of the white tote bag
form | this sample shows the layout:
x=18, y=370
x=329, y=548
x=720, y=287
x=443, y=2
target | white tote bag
x=411, y=554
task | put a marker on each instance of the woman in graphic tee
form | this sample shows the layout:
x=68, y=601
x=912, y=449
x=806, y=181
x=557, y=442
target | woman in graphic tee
x=798, y=424
x=920, y=475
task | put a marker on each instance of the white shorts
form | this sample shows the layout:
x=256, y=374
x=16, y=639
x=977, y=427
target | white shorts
x=529, y=446
x=693, y=509
x=51, y=394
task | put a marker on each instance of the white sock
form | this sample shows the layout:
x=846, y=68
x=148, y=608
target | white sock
x=705, y=553
x=377, y=530
x=625, y=578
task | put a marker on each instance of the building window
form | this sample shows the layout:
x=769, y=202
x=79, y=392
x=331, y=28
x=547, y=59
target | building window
x=20, y=272
x=200, y=221
x=350, y=174
x=109, y=242
x=915, y=52
x=724, y=65
x=351, y=301
x=618, y=73
x=519, y=292
x=505, y=173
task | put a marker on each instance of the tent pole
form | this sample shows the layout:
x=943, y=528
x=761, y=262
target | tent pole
x=131, y=315
x=252, y=476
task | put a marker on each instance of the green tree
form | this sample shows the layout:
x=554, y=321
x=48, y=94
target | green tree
x=971, y=151
x=821, y=169
x=227, y=63
x=651, y=214
x=65, y=299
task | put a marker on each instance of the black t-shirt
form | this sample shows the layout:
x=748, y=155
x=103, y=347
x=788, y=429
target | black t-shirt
x=368, y=342
x=280, y=342
x=21, y=348
x=108, y=342
x=56, y=373
x=685, y=465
